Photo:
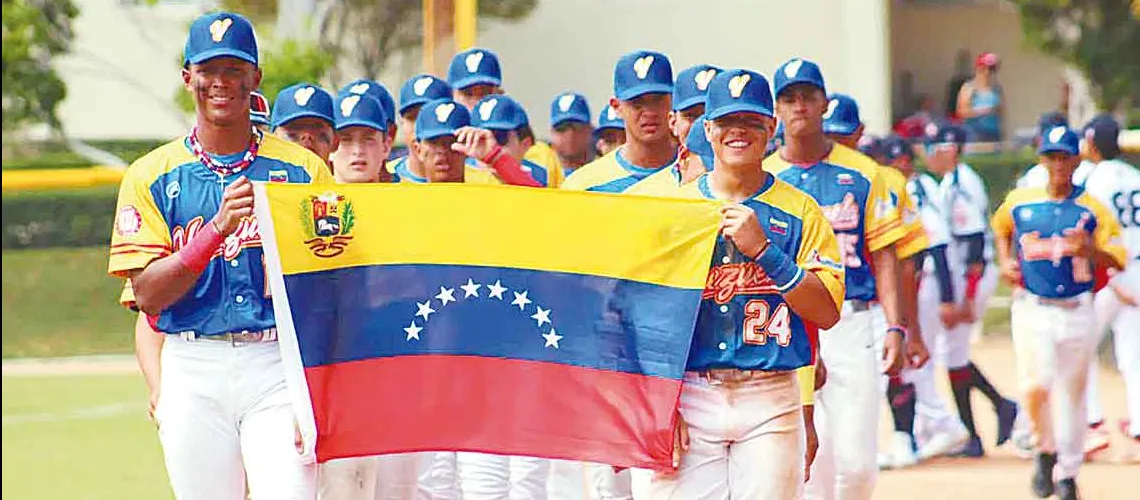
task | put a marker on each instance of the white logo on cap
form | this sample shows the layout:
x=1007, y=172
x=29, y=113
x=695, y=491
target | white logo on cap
x=443, y=111
x=702, y=78
x=1056, y=134
x=737, y=83
x=565, y=102
x=472, y=61
x=793, y=67
x=487, y=108
x=219, y=27
x=348, y=104
x=421, y=85
x=931, y=130
x=641, y=66
x=610, y=115
x=831, y=105
x=302, y=95
x=359, y=88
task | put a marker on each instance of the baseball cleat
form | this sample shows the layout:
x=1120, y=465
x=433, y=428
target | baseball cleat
x=973, y=448
x=1130, y=451
x=901, y=454
x=1067, y=489
x=944, y=443
x=1007, y=416
x=1096, y=441
x=1042, y=482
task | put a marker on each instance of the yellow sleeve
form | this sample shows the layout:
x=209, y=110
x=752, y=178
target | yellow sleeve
x=544, y=155
x=806, y=376
x=1002, y=220
x=915, y=239
x=882, y=225
x=1107, y=234
x=472, y=175
x=819, y=252
x=318, y=170
x=141, y=234
x=127, y=297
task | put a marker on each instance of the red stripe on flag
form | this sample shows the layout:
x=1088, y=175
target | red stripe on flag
x=512, y=407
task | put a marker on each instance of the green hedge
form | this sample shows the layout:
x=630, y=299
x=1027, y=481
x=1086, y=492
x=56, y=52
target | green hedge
x=57, y=155
x=71, y=218
x=1000, y=171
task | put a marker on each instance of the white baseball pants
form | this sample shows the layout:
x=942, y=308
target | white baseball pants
x=929, y=404
x=225, y=419
x=438, y=479
x=1054, y=346
x=484, y=476
x=1124, y=321
x=847, y=409
x=605, y=484
x=746, y=442
x=397, y=475
x=347, y=479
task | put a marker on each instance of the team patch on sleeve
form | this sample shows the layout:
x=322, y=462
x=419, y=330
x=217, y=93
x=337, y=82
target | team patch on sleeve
x=128, y=222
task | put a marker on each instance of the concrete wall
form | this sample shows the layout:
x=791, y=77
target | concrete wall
x=573, y=44
x=926, y=37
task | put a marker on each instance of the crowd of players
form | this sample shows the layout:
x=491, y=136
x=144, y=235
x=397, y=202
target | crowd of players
x=922, y=239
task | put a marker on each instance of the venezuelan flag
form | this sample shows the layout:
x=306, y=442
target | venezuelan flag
x=475, y=323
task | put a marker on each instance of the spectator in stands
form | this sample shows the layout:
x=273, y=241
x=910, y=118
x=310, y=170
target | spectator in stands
x=914, y=125
x=980, y=101
x=962, y=74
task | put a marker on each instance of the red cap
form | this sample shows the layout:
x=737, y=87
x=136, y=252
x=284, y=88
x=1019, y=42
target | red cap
x=987, y=60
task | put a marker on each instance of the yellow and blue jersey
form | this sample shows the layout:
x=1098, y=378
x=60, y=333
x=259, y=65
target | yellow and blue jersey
x=744, y=321
x=855, y=201
x=165, y=199
x=393, y=167
x=544, y=156
x=471, y=174
x=667, y=178
x=611, y=173
x=536, y=171
x=1046, y=234
x=914, y=238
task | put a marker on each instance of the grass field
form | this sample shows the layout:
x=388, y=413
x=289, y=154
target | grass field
x=60, y=302
x=80, y=437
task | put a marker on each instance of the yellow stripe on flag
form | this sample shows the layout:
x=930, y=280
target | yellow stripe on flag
x=653, y=240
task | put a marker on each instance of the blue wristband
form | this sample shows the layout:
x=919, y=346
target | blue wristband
x=782, y=269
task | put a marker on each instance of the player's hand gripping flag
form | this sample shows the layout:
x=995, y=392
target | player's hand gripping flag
x=477, y=324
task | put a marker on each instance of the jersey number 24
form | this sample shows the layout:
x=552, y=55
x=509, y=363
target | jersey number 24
x=759, y=324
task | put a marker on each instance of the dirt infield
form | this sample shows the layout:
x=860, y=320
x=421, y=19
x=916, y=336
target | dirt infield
x=1001, y=474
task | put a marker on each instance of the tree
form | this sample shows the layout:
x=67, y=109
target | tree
x=282, y=64
x=35, y=32
x=1098, y=37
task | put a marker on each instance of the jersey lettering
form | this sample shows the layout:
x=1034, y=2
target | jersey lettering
x=843, y=216
x=848, y=249
x=729, y=280
x=759, y=325
x=245, y=236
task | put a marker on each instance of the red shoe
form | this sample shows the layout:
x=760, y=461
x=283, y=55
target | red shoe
x=1096, y=440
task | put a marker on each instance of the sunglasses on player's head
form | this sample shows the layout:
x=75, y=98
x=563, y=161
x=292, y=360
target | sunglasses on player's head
x=258, y=103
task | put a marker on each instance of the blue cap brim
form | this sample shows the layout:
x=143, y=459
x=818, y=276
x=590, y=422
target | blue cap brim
x=569, y=118
x=609, y=126
x=688, y=103
x=202, y=57
x=799, y=80
x=839, y=128
x=470, y=81
x=418, y=102
x=498, y=125
x=432, y=134
x=1057, y=148
x=636, y=91
x=304, y=114
x=356, y=122
x=742, y=107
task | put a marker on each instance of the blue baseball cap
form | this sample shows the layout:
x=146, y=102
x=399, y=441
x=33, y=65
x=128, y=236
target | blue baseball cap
x=796, y=71
x=842, y=116
x=375, y=90
x=421, y=89
x=474, y=67
x=609, y=119
x=302, y=100
x=441, y=118
x=1050, y=120
x=738, y=91
x=220, y=34
x=642, y=72
x=894, y=147
x=258, y=108
x=870, y=145
x=945, y=133
x=498, y=112
x=698, y=143
x=691, y=86
x=569, y=107
x=354, y=110
x=1060, y=139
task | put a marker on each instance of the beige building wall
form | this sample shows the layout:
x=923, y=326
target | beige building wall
x=926, y=37
x=573, y=44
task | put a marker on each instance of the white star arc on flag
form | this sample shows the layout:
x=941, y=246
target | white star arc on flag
x=495, y=290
